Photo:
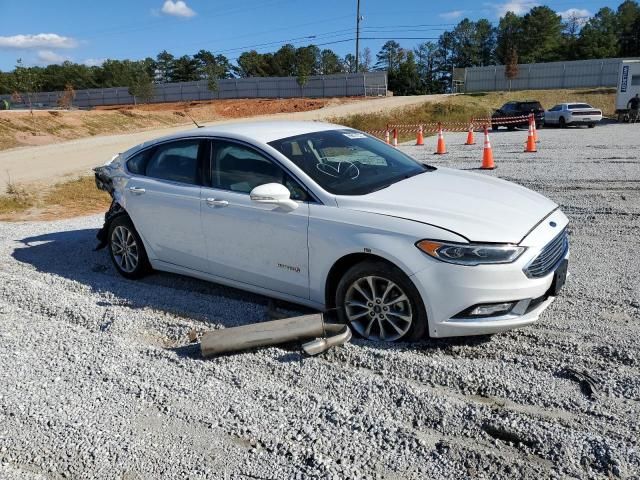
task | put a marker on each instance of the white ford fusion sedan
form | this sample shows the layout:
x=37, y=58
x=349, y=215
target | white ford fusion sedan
x=329, y=217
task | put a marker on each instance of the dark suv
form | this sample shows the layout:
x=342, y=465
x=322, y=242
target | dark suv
x=516, y=109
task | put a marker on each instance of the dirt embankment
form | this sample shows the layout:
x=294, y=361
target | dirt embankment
x=20, y=128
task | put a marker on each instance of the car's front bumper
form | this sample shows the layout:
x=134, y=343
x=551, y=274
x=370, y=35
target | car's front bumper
x=447, y=289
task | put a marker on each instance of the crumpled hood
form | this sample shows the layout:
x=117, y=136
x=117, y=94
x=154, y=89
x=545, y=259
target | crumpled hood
x=476, y=206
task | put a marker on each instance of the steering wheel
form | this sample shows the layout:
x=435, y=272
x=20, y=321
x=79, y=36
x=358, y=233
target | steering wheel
x=342, y=169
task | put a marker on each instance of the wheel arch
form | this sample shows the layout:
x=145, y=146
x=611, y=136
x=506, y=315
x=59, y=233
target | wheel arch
x=344, y=263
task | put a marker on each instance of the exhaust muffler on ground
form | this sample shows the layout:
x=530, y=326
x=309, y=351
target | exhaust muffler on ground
x=275, y=332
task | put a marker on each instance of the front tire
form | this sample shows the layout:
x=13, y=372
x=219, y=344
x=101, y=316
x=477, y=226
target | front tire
x=379, y=302
x=126, y=249
x=562, y=122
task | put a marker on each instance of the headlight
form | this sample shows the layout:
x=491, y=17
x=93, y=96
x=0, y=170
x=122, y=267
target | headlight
x=469, y=253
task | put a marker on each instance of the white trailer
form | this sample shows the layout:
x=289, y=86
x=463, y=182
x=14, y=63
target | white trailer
x=628, y=86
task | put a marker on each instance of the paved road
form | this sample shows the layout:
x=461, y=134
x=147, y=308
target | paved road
x=48, y=163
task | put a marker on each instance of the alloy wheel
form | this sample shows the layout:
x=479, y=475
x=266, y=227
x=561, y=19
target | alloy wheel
x=125, y=249
x=378, y=309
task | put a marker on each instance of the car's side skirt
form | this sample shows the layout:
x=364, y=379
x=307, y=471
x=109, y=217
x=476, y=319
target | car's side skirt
x=169, y=267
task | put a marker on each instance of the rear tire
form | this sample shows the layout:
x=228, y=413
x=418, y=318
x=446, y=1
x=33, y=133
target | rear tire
x=126, y=249
x=591, y=125
x=379, y=302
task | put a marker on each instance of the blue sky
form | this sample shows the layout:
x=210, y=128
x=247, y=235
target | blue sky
x=89, y=31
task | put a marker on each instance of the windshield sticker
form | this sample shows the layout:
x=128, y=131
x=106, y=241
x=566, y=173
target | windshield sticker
x=354, y=135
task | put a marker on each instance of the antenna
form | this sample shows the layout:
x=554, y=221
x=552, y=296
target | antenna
x=191, y=118
x=358, y=18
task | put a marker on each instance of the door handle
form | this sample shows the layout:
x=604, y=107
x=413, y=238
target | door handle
x=216, y=203
x=137, y=190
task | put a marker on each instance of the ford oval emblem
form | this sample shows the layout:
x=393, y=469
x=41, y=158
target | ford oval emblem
x=553, y=224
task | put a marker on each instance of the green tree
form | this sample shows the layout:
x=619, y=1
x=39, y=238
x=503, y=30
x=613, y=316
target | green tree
x=484, y=39
x=599, y=36
x=283, y=62
x=329, y=62
x=542, y=30
x=407, y=81
x=252, y=64
x=140, y=83
x=628, y=28
x=509, y=36
x=443, y=61
x=165, y=64
x=185, y=69
x=463, y=47
x=390, y=56
x=425, y=55
x=26, y=86
x=306, y=63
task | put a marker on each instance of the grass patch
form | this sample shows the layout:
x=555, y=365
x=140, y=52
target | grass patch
x=16, y=200
x=67, y=199
x=79, y=196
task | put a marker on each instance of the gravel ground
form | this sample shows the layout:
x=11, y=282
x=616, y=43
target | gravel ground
x=90, y=386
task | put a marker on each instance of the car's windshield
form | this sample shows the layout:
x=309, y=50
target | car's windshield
x=348, y=162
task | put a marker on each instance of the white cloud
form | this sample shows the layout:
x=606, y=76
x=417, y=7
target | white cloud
x=94, y=62
x=48, y=57
x=579, y=14
x=177, y=8
x=41, y=40
x=518, y=7
x=452, y=15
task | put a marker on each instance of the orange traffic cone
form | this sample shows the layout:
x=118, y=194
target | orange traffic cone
x=420, y=137
x=535, y=131
x=395, y=137
x=441, y=148
x=470, y=139
x=386, y=136
x=487, y=154
x=530, y=146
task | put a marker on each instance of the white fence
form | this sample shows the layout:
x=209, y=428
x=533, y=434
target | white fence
x=341, y=85
x=538, y=76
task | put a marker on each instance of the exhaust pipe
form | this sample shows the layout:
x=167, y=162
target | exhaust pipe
x=275, y=332
x=342, y=334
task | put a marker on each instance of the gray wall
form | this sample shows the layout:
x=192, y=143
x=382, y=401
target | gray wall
x=341, y=85
x=538, y=76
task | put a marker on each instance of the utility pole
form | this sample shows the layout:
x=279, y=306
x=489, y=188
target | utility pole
x=358, y=18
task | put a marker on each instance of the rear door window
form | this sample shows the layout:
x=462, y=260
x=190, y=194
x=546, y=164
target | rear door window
x=176, y=162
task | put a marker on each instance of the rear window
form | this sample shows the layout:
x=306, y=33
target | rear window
x=531, y=106
x=138, y=163
x=575, y=106
x=176, y=162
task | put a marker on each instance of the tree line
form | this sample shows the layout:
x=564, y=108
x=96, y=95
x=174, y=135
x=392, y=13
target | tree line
x=540, y=35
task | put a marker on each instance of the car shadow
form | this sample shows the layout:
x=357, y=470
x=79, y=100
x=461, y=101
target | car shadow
x=71, y=255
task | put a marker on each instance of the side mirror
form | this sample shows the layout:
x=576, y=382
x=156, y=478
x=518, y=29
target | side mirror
x=273, y=194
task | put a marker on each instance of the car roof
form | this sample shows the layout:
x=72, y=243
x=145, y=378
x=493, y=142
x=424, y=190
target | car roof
x=257, y=131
